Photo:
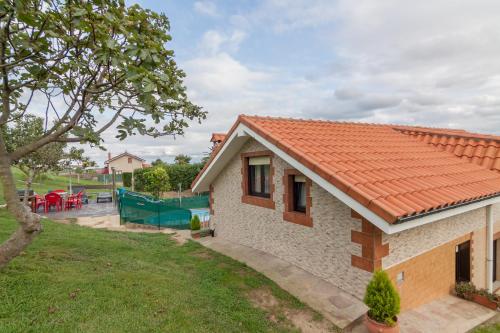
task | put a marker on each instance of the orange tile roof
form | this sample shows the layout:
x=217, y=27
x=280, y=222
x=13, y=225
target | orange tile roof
x=483, y=150
x=388, y=169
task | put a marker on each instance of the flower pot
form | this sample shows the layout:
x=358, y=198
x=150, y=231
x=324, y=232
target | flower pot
x=196, y=234
x=484, y=301
x=375, y=327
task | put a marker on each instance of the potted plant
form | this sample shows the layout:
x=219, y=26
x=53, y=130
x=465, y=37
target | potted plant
x=383, y=302
x=468, y=291
x=485, y=298
x=465, y=290
x=195, y=227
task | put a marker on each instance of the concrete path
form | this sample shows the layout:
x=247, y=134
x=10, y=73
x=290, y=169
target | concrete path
x=333, y=303
x=449, y=314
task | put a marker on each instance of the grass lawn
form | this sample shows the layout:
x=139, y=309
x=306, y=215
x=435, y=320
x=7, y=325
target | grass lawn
x=77, y=279
x=50, y=182
x=488, y=329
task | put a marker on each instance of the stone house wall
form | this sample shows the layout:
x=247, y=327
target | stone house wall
x=324, y=249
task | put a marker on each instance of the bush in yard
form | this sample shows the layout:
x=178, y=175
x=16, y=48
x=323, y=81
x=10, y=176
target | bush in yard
x=183, y=174
x=139, y=179
x=195, y=223
x=127, y=179
x=382, y=299
x=156, y=181
x=465, y=289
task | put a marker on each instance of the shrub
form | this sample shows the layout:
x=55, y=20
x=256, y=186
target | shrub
x=465, y=289
x=156, y=181
x=127, y=179
x=195, y=223
x=382, y=299
x=183, y=174
x=140, y=179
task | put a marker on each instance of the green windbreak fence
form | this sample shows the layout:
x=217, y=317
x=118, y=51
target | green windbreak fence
x=168, y=213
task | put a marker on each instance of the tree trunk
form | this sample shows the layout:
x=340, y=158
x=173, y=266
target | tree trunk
x=29, y=223
x=27, y=187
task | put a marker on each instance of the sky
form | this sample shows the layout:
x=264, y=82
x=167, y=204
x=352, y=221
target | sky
x=433, y=63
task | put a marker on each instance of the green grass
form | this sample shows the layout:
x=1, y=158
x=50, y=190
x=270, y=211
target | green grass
x=494, y=328
x=48, y=182
x=77, y=279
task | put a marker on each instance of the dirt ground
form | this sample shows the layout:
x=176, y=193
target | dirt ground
x=306, y=320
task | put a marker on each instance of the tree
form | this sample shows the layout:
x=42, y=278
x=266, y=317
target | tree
x=156, y=181
x=75, y=160
x=24, y=130
x=182, y=159
x=382, y=299
x=158, y=162
x=183, y=174
x=82, y=60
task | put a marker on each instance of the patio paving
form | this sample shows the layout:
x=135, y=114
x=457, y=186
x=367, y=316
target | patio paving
x=91, y=209
x=333, y=303
x=448, y=314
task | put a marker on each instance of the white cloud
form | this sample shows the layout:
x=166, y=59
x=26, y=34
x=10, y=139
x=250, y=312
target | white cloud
x=214, y=41
x=206, y=8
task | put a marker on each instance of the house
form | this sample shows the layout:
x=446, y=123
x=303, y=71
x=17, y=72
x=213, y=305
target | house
x=216, y=139
x=341, y=200
x=125, y=162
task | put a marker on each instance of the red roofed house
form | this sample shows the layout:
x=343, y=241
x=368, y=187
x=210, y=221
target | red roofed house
x=341, y=200
x=217, y=138
x=124, y=162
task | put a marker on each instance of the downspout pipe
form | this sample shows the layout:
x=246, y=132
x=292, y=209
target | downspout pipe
x=489, y=248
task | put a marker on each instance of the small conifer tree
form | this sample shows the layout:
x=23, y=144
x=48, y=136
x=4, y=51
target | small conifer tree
x=382, y=299
x=195, y=223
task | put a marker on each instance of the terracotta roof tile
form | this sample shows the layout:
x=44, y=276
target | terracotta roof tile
x=395, y=171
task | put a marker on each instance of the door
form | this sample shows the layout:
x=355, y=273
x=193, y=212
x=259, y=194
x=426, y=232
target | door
x=462, y=262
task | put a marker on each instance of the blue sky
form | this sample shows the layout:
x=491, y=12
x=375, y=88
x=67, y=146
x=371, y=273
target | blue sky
x=384, y=61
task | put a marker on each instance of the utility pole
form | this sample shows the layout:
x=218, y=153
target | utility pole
x=133, y=181
x=114, y=184
x=180, y=198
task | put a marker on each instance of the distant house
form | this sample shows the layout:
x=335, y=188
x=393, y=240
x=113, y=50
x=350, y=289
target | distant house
x=216, y=139
x=124, y=162
x=341, y=200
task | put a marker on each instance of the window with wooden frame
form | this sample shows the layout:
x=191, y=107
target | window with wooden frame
x=130, y=160
x=297, y=198
x=257, y=179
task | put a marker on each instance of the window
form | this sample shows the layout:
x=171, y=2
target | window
x=130, y=160
x=257, y=179
x=297, y=193
x=259, y=176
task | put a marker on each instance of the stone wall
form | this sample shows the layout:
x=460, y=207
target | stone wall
x=324, y=249
x=410, y=243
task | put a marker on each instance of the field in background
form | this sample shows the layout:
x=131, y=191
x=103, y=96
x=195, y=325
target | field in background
x=48, y=182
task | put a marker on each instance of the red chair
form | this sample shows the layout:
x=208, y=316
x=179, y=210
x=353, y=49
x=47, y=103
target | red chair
x=79, y=201
x=37, y=202
x=74, y=200
x=53, y=199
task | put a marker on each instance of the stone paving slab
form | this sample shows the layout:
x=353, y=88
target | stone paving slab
x=448, y=314
x=91, y=209
x=334, y=304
